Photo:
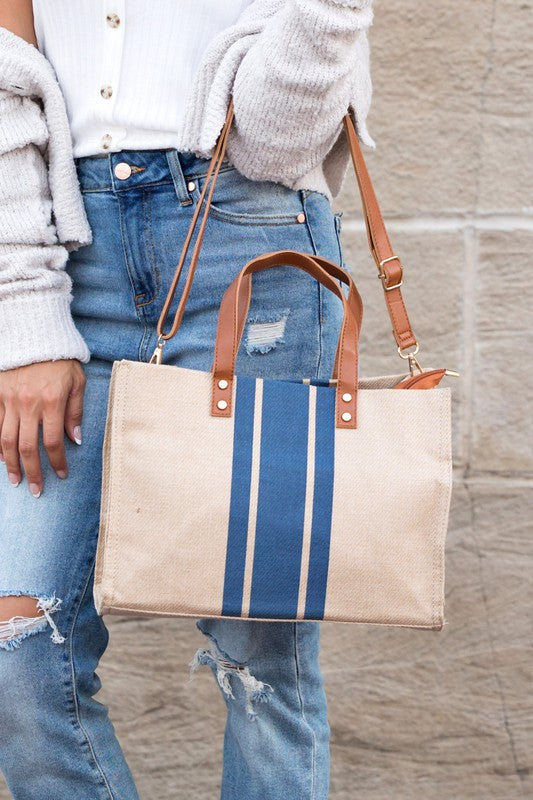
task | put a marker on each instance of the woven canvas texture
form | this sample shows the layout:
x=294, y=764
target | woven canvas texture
x=273, y=513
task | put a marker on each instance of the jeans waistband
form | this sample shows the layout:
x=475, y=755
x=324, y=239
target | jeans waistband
x=128, y=169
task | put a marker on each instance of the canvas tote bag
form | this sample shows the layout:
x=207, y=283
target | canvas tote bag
x=231, y=496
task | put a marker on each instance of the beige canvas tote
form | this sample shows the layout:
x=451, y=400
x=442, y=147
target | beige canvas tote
x=278, y=500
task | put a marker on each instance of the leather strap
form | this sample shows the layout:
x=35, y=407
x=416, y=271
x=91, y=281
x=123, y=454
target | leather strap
x=233, y=313
x=389, y=266
x=212, y=172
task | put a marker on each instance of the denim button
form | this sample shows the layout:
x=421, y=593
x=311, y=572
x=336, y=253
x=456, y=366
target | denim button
x=122, y=171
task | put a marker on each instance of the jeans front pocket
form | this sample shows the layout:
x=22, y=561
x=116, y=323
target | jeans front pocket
x=238, y=200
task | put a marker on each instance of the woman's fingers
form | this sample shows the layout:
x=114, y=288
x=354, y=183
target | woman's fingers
x=53, y=439
x=74, y=407
x=10, y=441
x=50, y=392
x=28, y=445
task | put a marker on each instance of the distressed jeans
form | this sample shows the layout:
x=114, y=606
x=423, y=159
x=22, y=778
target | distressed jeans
x=56, y=740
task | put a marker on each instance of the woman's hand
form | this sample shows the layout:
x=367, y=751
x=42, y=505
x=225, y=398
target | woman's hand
x=48, y=392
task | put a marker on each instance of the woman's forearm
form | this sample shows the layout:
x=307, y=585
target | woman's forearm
x=35, y=319
x=17, y=16
x=294, y=86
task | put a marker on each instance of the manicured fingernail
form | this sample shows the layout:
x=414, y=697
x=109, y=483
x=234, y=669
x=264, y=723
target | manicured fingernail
x=77, y=434
x=34, y=489
x=14, y=479
x=61, y=473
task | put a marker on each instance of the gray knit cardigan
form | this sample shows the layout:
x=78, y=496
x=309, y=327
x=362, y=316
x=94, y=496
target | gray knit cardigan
x=293, y=68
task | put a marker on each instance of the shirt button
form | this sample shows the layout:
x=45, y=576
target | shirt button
x=106, y=140
x=106, y=92
x=113, y=20
x=122, y=171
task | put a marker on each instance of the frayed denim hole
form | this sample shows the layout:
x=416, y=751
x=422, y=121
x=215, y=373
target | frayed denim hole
x=15, y=630
x=225, y=669
x=265, y=332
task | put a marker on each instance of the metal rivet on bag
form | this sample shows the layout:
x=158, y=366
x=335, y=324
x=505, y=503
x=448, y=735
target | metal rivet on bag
x=347, y=397
x=222, y=384
x=346, y=417
x=300, y=217
x=191, y=186
x=222, y=405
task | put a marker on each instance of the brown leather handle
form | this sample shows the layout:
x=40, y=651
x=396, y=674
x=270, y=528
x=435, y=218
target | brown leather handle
x=390, y=269
x=354, y=300
x=234, y=309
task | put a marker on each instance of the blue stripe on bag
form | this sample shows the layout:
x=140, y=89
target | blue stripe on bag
x=240, y=496
x=317, y=578
x=281, y=501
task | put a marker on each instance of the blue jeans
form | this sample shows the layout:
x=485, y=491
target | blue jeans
x=57, y=742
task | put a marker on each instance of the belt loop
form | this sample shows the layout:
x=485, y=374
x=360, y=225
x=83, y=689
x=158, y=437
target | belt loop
x=180, y=184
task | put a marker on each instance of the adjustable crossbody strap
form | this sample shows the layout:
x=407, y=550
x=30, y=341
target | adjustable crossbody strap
x=389, y=265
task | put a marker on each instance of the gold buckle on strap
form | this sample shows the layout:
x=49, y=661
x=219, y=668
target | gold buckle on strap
x=411, y=357
x=383, y=275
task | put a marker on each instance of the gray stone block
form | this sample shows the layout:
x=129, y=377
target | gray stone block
x=428, y=64
x=506, y=148
x=503, y=382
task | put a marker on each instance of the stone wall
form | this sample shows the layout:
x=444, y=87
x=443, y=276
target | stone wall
x=415, y=715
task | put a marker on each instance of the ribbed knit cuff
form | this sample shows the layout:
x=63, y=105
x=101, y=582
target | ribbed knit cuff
x=38, y=327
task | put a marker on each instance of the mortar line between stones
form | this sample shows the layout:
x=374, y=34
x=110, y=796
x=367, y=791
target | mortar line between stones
x=469, y=313
x=428, y=223
x=493, y=480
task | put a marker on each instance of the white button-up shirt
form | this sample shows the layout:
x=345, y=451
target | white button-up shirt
x=125, y=67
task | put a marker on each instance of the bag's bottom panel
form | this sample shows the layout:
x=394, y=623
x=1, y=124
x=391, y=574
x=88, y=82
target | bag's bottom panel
x=134, y=612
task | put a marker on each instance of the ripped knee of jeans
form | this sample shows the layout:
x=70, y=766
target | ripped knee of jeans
x=227, y=670
x=18, y=627
x=265, y=331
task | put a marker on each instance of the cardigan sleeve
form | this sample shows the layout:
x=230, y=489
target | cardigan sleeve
x=294, y=85
x=35, y=290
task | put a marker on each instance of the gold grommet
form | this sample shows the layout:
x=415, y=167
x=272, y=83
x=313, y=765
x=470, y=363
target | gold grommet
x=191, y=186
x=222, y=405
x=346, y=417
x=347, y=397
x=223, y=384
x=300, y=217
